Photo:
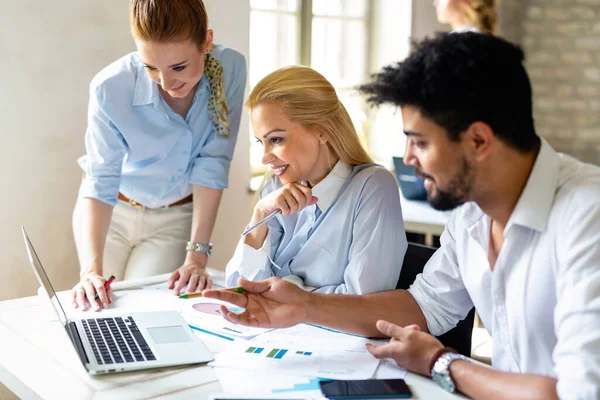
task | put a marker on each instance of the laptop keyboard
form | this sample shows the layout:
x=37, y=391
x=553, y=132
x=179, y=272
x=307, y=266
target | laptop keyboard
x=116, y=340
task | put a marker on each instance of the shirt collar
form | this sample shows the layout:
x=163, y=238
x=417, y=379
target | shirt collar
x=533, y=208
x=145, y=91
x=466, y=28
x=327, y=190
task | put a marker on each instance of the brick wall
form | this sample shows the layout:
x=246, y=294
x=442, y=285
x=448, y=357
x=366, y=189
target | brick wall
x=561, y=39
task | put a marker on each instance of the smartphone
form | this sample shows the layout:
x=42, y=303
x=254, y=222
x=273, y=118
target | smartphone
x=366, y=389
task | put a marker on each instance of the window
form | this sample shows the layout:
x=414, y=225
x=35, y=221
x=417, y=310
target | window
x=331, y=36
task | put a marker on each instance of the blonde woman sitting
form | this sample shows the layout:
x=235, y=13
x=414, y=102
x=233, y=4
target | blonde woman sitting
x=340, y=229
x=468, y=15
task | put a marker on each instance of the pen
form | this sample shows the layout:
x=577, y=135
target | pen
x=267, y=218
x=262, y=221
x=106, y=286
x=199, y=294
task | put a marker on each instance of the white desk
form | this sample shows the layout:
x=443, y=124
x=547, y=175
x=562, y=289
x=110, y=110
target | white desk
x=420, y=217
x=35, y=362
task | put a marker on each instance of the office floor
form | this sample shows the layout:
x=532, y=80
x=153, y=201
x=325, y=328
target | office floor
x=6, y=394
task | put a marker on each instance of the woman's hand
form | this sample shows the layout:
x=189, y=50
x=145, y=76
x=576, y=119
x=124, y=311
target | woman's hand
x=193, y=272
x=290, y=199
x=85, y=291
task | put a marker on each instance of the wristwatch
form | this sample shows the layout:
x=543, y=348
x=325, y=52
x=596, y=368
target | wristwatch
x=200, y=247
x=441, y=370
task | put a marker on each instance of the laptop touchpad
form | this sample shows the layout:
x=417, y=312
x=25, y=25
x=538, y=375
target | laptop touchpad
x=169, y=334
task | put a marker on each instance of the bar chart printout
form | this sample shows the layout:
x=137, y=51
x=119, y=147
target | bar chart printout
x=351, y=362
x=276, y=353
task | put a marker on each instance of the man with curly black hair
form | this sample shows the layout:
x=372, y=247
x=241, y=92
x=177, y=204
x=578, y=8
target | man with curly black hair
x=522, y=245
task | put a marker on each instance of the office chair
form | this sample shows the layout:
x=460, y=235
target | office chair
x=417, y=255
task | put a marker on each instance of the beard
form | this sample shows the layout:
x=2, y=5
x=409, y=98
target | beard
x=457, y=192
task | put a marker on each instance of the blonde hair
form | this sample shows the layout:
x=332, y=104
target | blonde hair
x=164, y=20
x=308, y=99
x=482, y=14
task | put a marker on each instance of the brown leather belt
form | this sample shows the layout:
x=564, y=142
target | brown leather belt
x=134, y=203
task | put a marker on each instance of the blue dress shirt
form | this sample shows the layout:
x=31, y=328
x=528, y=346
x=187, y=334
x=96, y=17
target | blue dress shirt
x=351, y=241
x=138, y=145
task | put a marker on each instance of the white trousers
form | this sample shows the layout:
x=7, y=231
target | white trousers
x=140, y=242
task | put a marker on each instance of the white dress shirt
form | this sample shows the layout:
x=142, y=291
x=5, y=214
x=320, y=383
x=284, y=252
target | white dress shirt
x=354, y=243
x=541, y=304
x=466, y=28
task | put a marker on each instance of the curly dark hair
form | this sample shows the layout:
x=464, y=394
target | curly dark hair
x=459, y=78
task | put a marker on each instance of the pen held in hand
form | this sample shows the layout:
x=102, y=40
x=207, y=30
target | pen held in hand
x=259, y=223
x=106, y=286
x=199, y=294
x=268, y=217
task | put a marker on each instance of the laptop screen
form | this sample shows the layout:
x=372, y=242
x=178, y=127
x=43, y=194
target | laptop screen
x=43, y=279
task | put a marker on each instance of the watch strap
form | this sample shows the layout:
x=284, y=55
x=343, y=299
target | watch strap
x=438, y=354
x=199, y=247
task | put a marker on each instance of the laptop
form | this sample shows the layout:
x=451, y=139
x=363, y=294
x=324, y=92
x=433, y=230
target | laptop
x=109, y=342
x=412, y=187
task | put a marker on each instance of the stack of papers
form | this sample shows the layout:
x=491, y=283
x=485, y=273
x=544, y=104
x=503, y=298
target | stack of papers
x=302, y=350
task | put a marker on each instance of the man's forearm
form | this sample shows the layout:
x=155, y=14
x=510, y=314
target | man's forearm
x=480, y=382
x=358, y=314
x=95, y=220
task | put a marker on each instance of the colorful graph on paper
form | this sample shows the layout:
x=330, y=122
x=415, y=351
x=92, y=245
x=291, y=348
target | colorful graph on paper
x=275, y=353
x=297, y=359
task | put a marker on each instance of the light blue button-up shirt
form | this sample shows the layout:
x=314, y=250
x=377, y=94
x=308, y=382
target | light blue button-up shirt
x=138, y=145
x=355, y=246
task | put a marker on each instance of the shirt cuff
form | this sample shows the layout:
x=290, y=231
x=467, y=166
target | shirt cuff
x=252, y=261
x=212, y=172
x=422, y=300
x=296, y=280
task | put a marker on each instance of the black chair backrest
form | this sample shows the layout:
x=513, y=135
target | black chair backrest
x=417, y=255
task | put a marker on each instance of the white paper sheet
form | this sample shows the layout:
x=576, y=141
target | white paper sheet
x=154, y=298
x=242, y=382
x=327, y=338
x=388, y=369
x=205, y=314
x=307, y=357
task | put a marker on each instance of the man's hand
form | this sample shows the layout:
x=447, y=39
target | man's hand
x=272, y=303
x=409, y=347
x=91, y=283
x=194, y=274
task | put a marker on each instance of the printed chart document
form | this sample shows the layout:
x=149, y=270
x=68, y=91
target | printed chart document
x=308, y=356
x=255, y=384
x=206, y=315
x=329, y=338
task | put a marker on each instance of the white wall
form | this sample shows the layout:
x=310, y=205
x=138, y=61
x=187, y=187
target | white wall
x=49, y=51
x=395, y=24
x=230, y=20
x=424, y=22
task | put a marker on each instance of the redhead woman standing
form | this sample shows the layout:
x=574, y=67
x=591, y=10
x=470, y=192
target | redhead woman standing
x=162, y=127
